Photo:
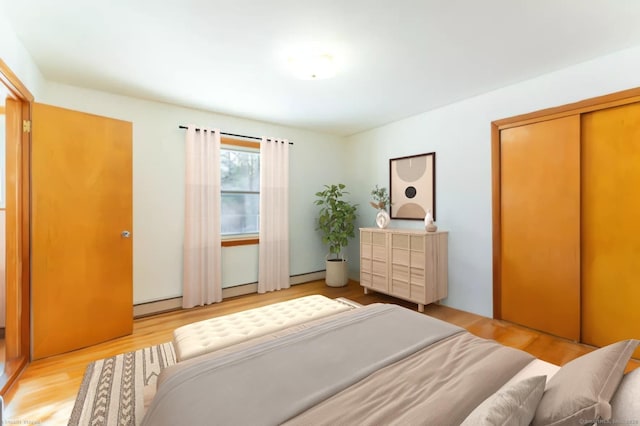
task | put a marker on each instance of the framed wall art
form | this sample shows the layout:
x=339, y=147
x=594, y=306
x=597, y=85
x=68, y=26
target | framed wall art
x=413, y=186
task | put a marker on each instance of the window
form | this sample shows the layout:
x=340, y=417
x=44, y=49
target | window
x=240, y=187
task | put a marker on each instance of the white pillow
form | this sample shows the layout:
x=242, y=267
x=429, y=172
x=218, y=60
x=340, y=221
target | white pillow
x=581, y=391
x=625, y=404
x=514, y=405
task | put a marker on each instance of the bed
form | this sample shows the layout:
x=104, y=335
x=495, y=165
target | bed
x=384, y=364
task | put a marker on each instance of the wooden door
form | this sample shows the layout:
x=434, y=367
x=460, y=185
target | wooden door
x=611, y=225
x=540, y=225
x=82, y=291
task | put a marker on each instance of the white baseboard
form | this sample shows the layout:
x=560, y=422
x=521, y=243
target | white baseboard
x=308, y=277
x=239, y=290
x=157, y=307
x=175, y=303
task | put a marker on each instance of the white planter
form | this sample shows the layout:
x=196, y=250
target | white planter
x=337, y=273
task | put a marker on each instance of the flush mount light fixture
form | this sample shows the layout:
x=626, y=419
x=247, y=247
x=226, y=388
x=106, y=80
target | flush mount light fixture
x=310, y=65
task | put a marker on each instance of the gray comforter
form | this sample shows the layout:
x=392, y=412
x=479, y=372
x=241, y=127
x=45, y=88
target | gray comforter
x=374, y=365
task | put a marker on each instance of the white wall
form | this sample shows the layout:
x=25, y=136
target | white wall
x=461, y=137
x=158, y=186
x=13, y=53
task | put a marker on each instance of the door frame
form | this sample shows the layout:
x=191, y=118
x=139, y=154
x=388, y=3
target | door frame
x=18, y=301
x=588, y=105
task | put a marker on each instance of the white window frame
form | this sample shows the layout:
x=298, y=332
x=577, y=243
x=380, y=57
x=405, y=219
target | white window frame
x=242, y=146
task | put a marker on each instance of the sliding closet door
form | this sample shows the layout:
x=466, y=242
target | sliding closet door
x=611, y=225
x=540, y=225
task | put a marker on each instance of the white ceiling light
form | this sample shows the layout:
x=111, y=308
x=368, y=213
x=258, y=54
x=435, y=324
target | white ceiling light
x=312, y=65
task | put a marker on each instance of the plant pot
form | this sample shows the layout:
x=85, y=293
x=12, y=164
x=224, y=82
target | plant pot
x=337, y=273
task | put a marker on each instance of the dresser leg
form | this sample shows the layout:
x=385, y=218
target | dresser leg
x=366, y=290
x=420, y=307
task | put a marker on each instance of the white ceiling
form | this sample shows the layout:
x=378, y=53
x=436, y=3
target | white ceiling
x=398, y=57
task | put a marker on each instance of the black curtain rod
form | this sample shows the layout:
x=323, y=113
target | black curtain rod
x=232, y=134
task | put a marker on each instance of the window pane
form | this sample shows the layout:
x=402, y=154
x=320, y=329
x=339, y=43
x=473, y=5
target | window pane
x=240, y=213
x=239, y=170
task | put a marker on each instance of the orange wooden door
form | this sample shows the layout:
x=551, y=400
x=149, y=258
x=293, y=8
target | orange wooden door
x=82, y=291
x=540, y=225
x=611, y=225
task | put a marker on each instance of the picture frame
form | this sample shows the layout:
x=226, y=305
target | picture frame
x=412, y=186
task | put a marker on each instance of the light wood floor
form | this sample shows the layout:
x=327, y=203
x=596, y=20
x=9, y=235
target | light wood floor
x=46, y=391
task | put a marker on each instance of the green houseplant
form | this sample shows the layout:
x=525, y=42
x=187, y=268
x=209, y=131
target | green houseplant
x=380, y=197
x=381, y=202
x=337, y=225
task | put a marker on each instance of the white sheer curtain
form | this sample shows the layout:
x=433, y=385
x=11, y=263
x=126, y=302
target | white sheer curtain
x=202, y=280
x=273, y=273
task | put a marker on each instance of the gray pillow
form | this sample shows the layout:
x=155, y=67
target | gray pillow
x=625, y=404
x=579, y=393
x=514, y=405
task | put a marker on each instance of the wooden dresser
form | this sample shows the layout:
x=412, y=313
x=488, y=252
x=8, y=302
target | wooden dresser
x=406, y=263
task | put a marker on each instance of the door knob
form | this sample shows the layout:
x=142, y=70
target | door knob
x=125, y=234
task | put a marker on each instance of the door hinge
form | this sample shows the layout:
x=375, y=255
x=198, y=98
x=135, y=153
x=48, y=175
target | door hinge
x=26, y=126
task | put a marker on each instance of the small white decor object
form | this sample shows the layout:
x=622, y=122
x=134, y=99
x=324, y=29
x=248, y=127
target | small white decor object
x=381, y=201
x=382, y=219
x=428, y=222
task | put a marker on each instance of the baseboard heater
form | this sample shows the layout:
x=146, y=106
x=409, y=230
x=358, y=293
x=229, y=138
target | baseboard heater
x=175, y=303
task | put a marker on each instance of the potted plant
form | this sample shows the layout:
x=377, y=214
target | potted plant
x=380, y=201
x=337, y=224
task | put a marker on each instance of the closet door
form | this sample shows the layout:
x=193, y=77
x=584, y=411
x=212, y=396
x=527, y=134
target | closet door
x=611, y=225
x=540, y=225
